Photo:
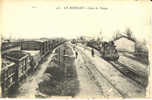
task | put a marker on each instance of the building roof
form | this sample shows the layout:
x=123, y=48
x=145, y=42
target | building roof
x=124, y=37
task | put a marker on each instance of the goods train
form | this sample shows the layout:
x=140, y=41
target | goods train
x=18, y=64
x=107, y=49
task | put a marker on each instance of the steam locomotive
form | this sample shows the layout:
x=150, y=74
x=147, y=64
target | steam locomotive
x=107, y=50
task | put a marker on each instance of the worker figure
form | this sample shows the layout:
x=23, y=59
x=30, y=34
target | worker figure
x=92, y=52
x=64, y=51
x=76, y=54
x=73, y=47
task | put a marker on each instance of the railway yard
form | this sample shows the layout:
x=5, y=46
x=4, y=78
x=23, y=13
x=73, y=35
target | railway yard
x=76, y=50
x=47, y=69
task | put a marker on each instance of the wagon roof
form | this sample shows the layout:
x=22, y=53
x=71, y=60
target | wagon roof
x=32, y=52
x=38, y=40
x=17, y=54
x=7, y=63
x=41, y=40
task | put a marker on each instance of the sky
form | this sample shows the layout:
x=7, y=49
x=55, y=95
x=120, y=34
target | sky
x=48, y=18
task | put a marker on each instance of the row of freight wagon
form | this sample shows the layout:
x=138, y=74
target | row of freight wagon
x=18, y=64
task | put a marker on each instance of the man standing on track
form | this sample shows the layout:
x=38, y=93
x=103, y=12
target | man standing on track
x=76, y=54
x=92, y=52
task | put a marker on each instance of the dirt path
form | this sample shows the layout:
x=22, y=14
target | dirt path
x=87, y=85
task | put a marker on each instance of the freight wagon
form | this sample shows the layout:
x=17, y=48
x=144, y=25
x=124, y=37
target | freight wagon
x=8, y=76
x=40, y=45
x=93, y=44
x=15, y=67
x=22, y=61
x=7, y=45
x=35, y=58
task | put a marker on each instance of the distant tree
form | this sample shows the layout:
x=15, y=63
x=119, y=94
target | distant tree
x=99, y=41
x=129, y=34
x=8, y=40
x=2, y=37
x=116, y=35
x=82, y=39
x=101, y=36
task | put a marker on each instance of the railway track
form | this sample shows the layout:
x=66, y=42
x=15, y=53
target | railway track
x=118, y=84
x=128, y=72
x=106, y=87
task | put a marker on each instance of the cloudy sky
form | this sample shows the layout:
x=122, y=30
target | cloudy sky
x=41, y=18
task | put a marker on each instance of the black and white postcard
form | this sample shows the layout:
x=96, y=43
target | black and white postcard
x=76, y=49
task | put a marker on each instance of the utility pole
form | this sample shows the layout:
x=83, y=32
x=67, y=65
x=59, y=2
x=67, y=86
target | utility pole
x=101, y=37
x=59, y=56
